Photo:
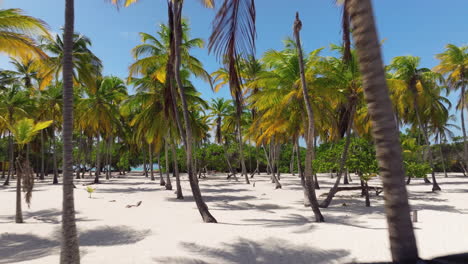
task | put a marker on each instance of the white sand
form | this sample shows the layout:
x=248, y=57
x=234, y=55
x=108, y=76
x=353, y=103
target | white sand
x=256, y=224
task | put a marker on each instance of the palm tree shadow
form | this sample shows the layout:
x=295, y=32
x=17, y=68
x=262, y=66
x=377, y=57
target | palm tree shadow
x=24, y=247
x=268, y=251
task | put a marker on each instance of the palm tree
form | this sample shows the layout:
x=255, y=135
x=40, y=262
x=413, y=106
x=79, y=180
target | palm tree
x=17, y=32
x=309, y=181
x=24, y=132
x=219, y=111
x=69, y=251
x=454, y=65
x=86, y=65
x=388, y=149
x=14, y=103
x=98, y=112
x=417, y=79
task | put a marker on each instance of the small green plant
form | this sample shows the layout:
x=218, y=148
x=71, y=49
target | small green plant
x=90, y=190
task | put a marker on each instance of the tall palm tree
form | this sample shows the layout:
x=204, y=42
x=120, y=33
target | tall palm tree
x=454, y=65
x=309, y=181
x=388, y=149
x=233, y=36
x=416, y=79
x=17, y=32
x=69, y=251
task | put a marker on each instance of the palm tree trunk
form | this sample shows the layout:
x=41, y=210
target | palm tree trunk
x=202, y=207
x=11, y=154
x=54, y=143
x=168, y=176
x=278, y=152
x=232, y=171
x=161, y=177
x=98, y=161
x=145, y=167
x=270, y=165
x=19, y=212
x=42, y=175
x=291, y=163
x=402, y=240
x=241, y=150
x=300, y=172
x=462, y=117
x=435, y=186
x=150, y=151
x=442, y=158
x=176, y=171
x=309, y=180
x=70, y=252
x=344, y=156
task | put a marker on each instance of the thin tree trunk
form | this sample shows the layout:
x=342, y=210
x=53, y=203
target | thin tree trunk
x=11, y=153
x=462, y=117
x=70, y=252
x=273, y=176
x=42, y=174
x=334, y=189
x=232, y=171
x=442, y=158
x=176, y=171
x=168, y=177
x=435, y=186
x=291, y=163
x=54, y=143
x=145, y=167
x=150, y=151
x=202, y=207
x=98, y=161
x=309, y=180
x=241, y=149
x=388, y=150
x=19, y=211
x=161, y=177
x=366, y=186
x=278, y=152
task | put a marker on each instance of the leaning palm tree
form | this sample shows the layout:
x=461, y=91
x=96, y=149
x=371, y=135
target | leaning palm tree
x=388, y=149
x=309, y=181
x=173, y=70
x=17, y=32
x=69, y=251
x=454, y=65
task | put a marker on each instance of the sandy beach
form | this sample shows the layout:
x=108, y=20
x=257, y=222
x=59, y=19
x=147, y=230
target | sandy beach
x=256, y=224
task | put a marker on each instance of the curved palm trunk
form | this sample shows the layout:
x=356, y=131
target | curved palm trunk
x=69, y=252
x=270, y=165
x=232, y=171
x=309, y=180
x=176, y=171
x=202, y=207
x=168, y=176
x=300, y=171
x=402, y=241
x=334, y=189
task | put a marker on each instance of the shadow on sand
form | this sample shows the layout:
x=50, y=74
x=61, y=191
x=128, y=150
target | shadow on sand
x=268, y=251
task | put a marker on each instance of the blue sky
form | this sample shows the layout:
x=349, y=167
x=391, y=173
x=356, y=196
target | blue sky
x=410, y=27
